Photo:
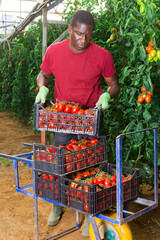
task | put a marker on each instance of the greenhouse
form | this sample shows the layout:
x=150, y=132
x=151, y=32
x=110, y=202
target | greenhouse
x=79, y=110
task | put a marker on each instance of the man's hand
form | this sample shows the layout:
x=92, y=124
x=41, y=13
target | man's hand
x=41, y=96
x=104, y=101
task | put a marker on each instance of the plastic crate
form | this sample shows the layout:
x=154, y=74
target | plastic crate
x=47, y=185
x=93, y=199
x=66, y=122
x=61, y=161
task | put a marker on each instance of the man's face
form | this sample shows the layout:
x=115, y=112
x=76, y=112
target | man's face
x=80, y=37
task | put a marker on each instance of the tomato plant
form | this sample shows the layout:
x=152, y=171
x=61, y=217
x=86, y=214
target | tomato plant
x=136, y=31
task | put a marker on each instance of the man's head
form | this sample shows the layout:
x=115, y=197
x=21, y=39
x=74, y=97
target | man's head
x=80, y=30
x=82, y=16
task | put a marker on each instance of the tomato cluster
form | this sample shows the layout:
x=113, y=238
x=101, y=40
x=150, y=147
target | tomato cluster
x=75, y=155
x=83, y=183
x=48, y=184
x=113, y=36
x=153, y=54
x=65, y=117
x=145, y=95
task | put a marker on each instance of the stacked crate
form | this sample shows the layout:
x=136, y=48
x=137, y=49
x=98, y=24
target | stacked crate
x=54, y=166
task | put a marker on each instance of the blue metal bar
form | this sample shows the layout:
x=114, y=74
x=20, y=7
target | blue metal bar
x=119, y=179
x=26, y=186
x=108, y=219
x=77, y=219
x=63, y=233
x=25, y=155
x=16, y=158
x=25, y=192
x=155, y=167
x=35, y=206
x=93, y=222
x=138, y=131
x=143, y=201
x=138, y=214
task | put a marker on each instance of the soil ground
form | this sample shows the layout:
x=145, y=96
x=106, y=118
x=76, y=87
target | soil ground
x=17, y=210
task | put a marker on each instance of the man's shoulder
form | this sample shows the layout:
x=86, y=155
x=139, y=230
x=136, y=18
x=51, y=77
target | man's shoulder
x=98, y=49
x=59, y=45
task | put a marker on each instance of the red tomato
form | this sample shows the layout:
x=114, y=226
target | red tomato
x=151, y=44
x=143, y=89
x=68, y=108
x=107, y=183
x=73, y=185
x=94, y=141
x=76, y=147
x=113, y=183
x=86, y=111
x=95, y=180
x=56, y=106
x=148, y=49
x=100, y=180
x=83, y=146
x=86, y=207
x=81, y=112
x=148, y=98
x=50, y=177
x=79, y=174
x=86, y=173
x=45, y=176
x=61, y=107
x=74, y=109
x=74, y=141
x=141, y=99
x=129, y=177
x=113, y=178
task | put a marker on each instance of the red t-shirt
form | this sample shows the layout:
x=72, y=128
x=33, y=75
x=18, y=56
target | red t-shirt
x=78, y=75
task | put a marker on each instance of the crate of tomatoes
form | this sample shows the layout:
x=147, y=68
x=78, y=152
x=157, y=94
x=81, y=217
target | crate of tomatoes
x=94, y=190
x=47, y=185
x=67, y=118
x=78, y=154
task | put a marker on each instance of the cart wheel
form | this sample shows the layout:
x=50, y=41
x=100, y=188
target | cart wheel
x=110, y=230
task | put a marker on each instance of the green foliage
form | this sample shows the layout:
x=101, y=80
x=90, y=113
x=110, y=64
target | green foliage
x=20, y=67
x=132, y=32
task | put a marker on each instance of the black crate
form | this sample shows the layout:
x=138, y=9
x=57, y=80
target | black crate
x=93, y=199
x=61, y=161
x=48, y=185
x=46, y=119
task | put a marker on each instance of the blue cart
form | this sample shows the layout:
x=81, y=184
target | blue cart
x=116, y=220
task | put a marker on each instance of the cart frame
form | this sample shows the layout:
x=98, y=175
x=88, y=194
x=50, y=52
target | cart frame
x=121, y=212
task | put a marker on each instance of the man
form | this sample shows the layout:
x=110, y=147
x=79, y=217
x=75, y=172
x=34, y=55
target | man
x=78, y=65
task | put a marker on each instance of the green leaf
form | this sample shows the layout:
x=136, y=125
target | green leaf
x=147, y=169
x=142, y=173
x=146, y=115
x=142, y=53
x=128, y=44
x=158, y=156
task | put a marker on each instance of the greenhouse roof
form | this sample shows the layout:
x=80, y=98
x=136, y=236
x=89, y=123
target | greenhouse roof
x=18, y=14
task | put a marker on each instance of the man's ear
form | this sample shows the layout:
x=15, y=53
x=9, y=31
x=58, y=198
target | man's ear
x=69, y=29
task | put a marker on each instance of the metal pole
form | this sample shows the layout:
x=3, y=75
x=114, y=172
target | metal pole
x=119, y=179
x=44, y=48
x=155, y=168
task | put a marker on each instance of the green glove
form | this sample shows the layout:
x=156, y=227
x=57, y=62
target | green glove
x=41, y=96
x=104, y=101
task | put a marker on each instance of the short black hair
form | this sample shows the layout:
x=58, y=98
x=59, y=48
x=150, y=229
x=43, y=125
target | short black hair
x=82, y=16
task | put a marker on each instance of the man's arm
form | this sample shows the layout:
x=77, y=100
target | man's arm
x=42, y=83
x=113, y=90
x=43, y=79
x=113, y=86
